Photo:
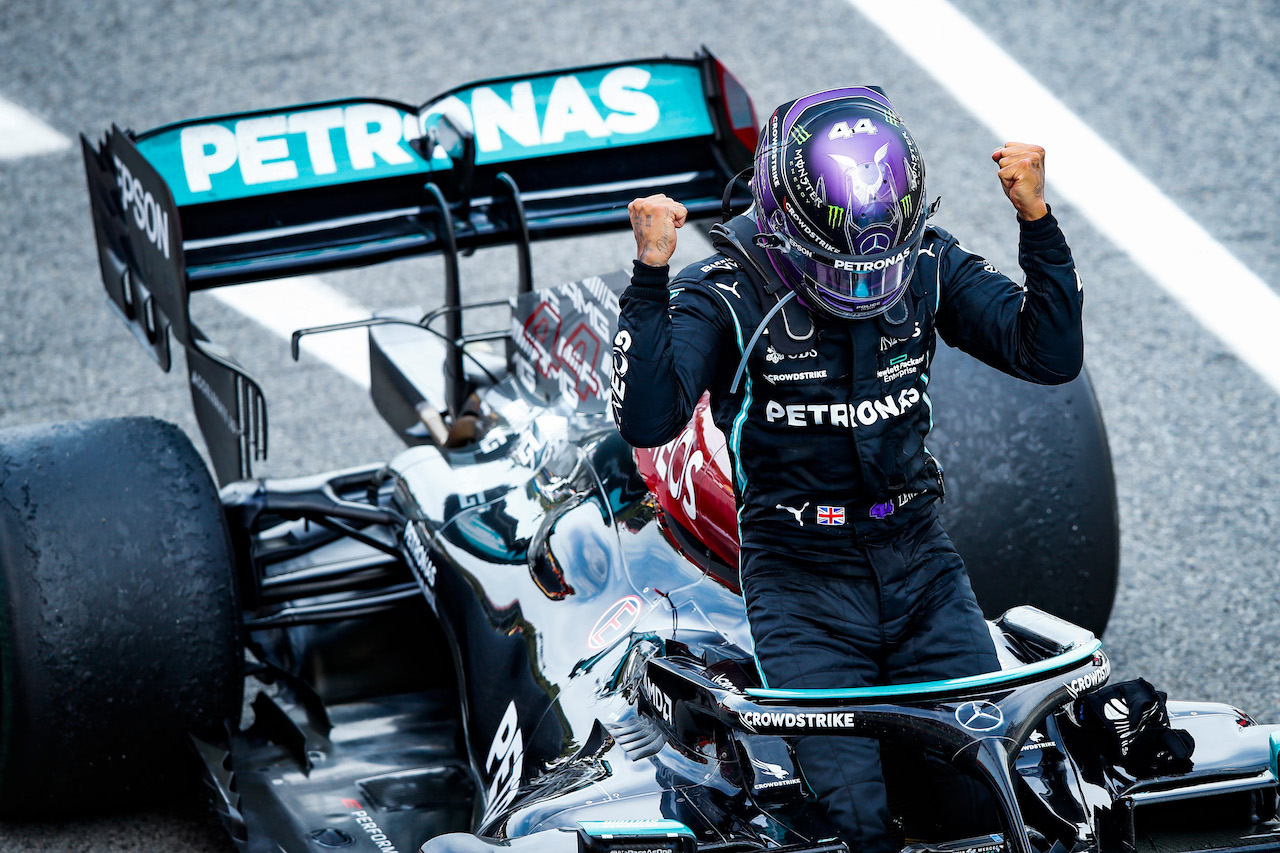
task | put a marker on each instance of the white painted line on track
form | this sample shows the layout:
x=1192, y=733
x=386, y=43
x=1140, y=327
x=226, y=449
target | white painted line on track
x=1220, y=292
x=24, y=135
x=287, y=304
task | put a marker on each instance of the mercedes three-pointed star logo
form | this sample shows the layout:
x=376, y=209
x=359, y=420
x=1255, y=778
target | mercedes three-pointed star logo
x=979, y=716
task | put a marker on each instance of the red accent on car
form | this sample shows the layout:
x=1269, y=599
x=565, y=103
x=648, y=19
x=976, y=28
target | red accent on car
x=690, y=478
x=737, y=108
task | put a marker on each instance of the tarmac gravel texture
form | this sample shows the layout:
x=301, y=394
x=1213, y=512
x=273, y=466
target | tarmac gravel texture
x=1189, y=92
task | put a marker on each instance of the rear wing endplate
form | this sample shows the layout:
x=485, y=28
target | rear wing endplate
x=141, y=257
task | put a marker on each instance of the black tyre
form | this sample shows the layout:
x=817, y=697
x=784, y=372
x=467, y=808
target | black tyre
x=1031, y=497
x=119, y=625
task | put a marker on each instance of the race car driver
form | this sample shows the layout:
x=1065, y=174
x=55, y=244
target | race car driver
x=813, y=330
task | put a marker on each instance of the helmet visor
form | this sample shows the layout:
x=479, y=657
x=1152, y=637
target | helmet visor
x=854, y=286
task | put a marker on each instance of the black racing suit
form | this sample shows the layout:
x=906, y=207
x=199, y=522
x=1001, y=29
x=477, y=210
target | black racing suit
x=848, y=578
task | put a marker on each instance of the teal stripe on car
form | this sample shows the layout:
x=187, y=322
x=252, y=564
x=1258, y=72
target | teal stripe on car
x=635, y=828
x=338, y=142
x=924, y=688
x=1275, y=755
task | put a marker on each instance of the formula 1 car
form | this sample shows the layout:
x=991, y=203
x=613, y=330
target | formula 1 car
x=519, y=632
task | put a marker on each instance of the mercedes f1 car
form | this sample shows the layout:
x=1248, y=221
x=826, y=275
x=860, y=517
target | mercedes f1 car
x=519, y=632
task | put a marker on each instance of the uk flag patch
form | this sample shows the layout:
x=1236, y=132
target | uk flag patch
x=831, y=515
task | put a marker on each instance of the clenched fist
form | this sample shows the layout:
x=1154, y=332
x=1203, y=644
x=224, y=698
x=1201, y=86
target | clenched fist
x=1022, y=176
x=654, y=219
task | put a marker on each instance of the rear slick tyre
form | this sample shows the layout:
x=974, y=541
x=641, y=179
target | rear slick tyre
x=119, y=624
x=1032, y=503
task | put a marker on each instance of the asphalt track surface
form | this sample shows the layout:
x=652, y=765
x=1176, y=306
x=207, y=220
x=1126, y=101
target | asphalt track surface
x=1187, y=92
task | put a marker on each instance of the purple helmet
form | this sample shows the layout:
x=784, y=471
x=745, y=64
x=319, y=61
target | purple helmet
x=840, y=202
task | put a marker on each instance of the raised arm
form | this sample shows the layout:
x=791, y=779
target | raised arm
x=669, y=338
x=1032, y=330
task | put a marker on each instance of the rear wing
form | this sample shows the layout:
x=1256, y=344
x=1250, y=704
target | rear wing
x=254, y=196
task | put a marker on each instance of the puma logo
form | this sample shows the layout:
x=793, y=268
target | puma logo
x=733, y=289
x=795, y=512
